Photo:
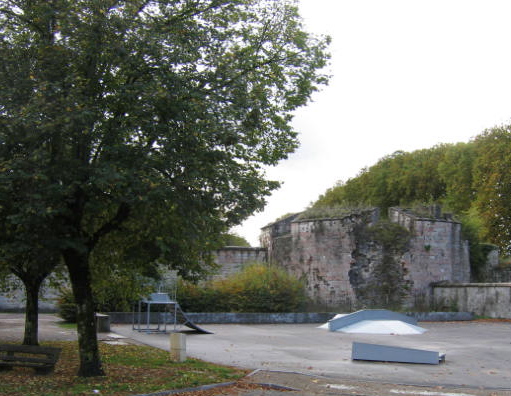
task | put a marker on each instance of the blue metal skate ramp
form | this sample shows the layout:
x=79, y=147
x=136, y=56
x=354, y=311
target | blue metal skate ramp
x=386, y=353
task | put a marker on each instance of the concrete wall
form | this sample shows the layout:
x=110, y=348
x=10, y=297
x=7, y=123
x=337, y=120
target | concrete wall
x=228, y=317
x=202, y=318
x=485, y=299
x=274, y=231
x=321, y=253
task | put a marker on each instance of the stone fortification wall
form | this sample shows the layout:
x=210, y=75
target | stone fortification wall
x=320, y=252
x=231, y=259
x=437, y=251
x=494, y=271
x=340, y=266
x=485, y=299
x=274, y=231
x=343, y=266
x=14, y=300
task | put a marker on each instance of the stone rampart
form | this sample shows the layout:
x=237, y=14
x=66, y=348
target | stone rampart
x=320, y=252
x=437, y=251
x=340, y=268
x=231, y=259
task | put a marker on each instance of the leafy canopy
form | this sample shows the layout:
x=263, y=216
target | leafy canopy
x=112, y=106
x=470, y=179
x=144, y=123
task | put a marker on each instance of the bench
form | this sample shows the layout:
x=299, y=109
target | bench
x=42, y=359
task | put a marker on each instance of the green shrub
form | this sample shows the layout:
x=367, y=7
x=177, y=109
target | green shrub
x=199, y=298
x=331, y=212
x=66, y=306
x=258, y=288
x=116, y=292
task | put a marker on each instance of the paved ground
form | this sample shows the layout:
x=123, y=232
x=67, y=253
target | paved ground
x=12, y=327
x=478, y=355
x=315, y=361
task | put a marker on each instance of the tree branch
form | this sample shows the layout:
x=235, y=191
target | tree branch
x=123, y=212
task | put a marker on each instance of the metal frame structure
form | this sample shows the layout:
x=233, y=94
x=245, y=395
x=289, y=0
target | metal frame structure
x=170, y=307
x=172, y=314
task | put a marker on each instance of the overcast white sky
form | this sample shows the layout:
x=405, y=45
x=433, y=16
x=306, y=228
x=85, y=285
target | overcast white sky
x=407, y=74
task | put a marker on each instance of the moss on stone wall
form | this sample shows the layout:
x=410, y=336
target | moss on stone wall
x=378, y=275
x=336, y=212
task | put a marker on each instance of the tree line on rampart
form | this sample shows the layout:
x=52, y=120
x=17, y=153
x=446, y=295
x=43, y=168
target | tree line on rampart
x=472, y=180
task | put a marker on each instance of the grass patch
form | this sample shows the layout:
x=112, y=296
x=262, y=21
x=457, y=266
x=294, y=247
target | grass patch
x=67, y=325
x=130, y=369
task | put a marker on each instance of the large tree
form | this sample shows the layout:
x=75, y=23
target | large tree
x=130, y=108
x=492, y=182
x=28, y=248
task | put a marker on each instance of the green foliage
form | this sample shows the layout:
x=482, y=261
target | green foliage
x=330, y=212
x=132, y=369
x=471, y=231
x=392, y=237
x=203, y=297
x=258, y=288
x=492, y=180
x=387, y=286
x=118, y=291
x=114, y=291
x=456, y=170
x=151, y=119
x=397, y=179
x=66, y=306
x=234, y=240
x=470, y=179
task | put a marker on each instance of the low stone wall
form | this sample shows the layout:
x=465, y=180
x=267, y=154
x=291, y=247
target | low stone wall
x=441, y=316
x=232, y=318
x=485, y=299
x=275, y=318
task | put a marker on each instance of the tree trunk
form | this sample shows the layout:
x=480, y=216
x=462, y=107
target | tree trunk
x=79, y=272
x=31, y=312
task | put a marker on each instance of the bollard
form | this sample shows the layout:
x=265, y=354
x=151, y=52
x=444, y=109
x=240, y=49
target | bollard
x=102, y=323
x=178, y=347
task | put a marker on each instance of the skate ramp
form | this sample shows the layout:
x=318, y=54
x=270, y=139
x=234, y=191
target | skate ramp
x=374, y=321
x=172, y=316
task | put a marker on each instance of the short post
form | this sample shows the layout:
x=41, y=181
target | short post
x=102, y=323
x=178, y=347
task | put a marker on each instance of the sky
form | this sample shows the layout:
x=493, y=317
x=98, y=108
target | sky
x=406, y=75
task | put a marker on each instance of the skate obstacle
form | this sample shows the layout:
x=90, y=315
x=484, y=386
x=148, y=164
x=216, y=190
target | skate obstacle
x=158, y=313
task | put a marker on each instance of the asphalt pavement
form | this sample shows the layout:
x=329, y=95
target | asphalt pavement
x=478, y=354
x=316, y=361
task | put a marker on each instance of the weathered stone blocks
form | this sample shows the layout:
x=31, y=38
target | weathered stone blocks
x=338, y=265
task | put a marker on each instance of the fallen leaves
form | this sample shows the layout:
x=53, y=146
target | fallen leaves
x=129, y=370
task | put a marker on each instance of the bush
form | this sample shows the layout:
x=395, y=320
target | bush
x=258, y=288
x=331, y=212
x=118, y=291
x=113, y=293
x=66, y=306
